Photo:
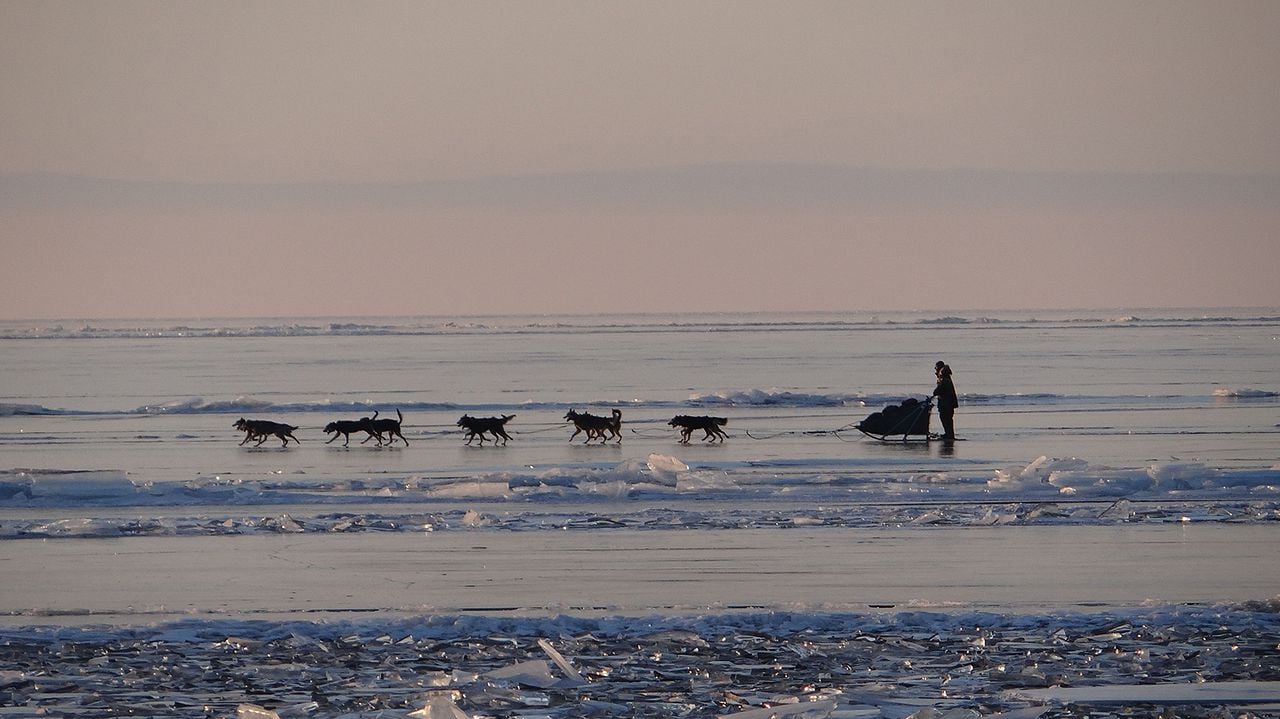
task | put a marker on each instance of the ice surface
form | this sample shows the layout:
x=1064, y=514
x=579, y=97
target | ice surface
x=656, y=476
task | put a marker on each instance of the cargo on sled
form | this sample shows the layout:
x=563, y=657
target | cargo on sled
x=899, y=421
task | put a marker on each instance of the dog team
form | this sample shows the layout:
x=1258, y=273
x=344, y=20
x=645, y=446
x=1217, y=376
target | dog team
x=385, y=430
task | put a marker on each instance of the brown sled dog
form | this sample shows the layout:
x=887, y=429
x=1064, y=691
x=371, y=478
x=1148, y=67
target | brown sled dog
x=344, y=428
x=601, y=428
x=478, y=426
x=710, y=425
x=388, y=426
x=262, y=430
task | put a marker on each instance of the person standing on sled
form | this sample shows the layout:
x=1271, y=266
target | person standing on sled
x=947, y=400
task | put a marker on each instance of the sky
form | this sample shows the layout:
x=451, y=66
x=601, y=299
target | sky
x=250, y=159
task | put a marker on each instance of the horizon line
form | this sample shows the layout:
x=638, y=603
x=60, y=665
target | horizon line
x=655, y=313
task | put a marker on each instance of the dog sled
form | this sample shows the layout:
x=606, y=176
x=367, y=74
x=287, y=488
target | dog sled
x=899, y=422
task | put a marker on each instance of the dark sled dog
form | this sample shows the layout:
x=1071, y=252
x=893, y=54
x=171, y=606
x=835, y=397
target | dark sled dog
x=710, y=425
x=262, y=430
x=595, y=427
x=389, y=426
x=478, y=426
x=344, y=428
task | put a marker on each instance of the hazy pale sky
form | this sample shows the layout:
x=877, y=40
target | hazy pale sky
x=256, y=158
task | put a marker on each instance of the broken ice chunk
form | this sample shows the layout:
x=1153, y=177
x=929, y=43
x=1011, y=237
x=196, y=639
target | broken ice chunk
x=439, y=707
x=1026, y=713
x=928, y=518
x=533, y=673
x=285, y=523
x=253, y=711
x=1227, y=692
x=931, y=713
x=666, y=464
x=561, y=662
x=799, y=710
x=473, y=519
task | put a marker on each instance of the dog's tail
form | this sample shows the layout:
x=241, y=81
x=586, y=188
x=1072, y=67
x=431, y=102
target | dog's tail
x=508, y=417
x=399, y=415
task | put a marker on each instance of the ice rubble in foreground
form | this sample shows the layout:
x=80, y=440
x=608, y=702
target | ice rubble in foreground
x=1157, y=661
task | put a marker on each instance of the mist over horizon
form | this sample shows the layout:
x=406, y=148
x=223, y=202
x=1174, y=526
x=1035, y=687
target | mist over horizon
x=319, y=159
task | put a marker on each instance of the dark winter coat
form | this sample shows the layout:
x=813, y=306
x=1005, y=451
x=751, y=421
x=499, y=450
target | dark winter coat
x=946, y=393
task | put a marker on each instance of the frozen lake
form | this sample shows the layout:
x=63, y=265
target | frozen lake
x=1109, y=524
